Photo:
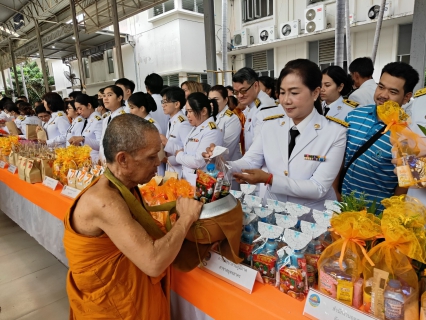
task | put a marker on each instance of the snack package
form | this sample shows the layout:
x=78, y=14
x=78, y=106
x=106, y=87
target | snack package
x=46, y=167
x=204, y=187
x=293, y=281
x=13, y=129
x=32, y=171
x=41, y=134
x=79, y=180
x=71, y=177
x=31, y=133
x=22, y=163
x=87, y=180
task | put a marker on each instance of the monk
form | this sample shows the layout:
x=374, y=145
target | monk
x=116, y=265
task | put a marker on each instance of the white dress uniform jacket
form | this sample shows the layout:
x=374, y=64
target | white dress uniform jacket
x=159, y=116
x=105, y=123
x=18, y=121
x=198, y=140
x=418, y=118
x=75, y=129
x=126, y=106
x=339, y=109
x=364, y=95
x=176, y=137
x=92, y=134
x=28, y=120
x=259, y=109
x=302, y=178
x=4, y=116
x=161, y=168
x=230, y=125
x=56, y=129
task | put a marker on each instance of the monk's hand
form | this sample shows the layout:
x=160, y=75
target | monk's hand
x=209, y=151
x=188, y=208
x=252, y=176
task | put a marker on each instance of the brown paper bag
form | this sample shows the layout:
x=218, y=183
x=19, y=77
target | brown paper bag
x=46, y=168
x=31, y=133
x=22, y=163
x=88, y=178
x=71, y=177
x=41, y=134
x=32, y=171
x=12, y=158
x=79, y=183
x=13, y=129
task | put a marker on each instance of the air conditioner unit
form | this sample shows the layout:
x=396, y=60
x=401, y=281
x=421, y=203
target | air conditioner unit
x=373, y=12
x=289, y=29
x=242, y=38
x=267, y=34
x=315, y=18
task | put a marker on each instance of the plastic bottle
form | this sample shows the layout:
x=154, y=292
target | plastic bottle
x=211, y=170
x=248, y=234
x=270, y=247
x=394, y=301
x=314, y=246
x=298, y=254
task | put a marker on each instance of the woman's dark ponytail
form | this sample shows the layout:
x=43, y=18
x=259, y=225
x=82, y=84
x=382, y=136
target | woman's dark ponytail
x=215, y=108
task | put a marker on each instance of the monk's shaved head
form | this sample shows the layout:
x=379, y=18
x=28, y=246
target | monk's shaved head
x=126, y=133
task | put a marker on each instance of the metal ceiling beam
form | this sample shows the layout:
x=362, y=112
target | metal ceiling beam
x=41, y=53
x=117, y=39
x=12, y=55
x=77, y=44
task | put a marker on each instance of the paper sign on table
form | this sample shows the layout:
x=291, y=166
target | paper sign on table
x=2, y=164
x=70, y=192
x=238, y=275
x=50, y=183
x=320, y=306
x=12, y=169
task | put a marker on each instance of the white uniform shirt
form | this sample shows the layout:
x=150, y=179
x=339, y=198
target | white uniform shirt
x=29, y=120
x=75, y=129
x=159, y=116
x=230, y=125
x=176, y=138
x=105, y=123
x=92, y=134
x=126, y=106
x=4, y=116
x=57, y=129
x=256, y=114
x=299, y=179
x=18, y=121
x=155, y=123
x=338, y=109
x=364, y=95
x=198, y=140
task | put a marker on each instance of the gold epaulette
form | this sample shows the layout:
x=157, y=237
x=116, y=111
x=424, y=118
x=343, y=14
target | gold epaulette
x=151, y=120
x=350, y=103
x=420, y=92
x=60, y=114
x=79, y=119
x=277, y=116
x=98, y=118
x=343, y=123
x=106, y=115
x=277, y=102
x=122, y=112
x=212, y=125
x=229, y=113
x=22, y=118
x=181, y=119
x=257, y=103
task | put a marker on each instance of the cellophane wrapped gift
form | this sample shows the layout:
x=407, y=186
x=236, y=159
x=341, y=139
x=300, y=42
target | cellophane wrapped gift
x=6, y=145
x=340, y=264
x=408, y=147
x=403, y=227
x=71, y=157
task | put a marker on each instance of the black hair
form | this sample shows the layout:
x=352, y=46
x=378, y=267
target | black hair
x=154, y=83
x=308, y=71
x=198, y=101
x=364, y=66
x=232, y=102
x=269, y=83
x=101, y=90
x=230, y=88
x=18, y=103
x=126, y=83
x=165, y=86
x=174, y=94
x=404, y=71
x=206, y=87
x=70, y=103
x=140, y=99
x=38, y=101
x=11, y=107
x=245, y=74
x=221, y=89
x=339, y=76
x=85, y=99
x=40, y=109
x=3, y=101
x=23, y=97
x=26, y=109
x=74, y=94
x=54, y=101
x=118, y=92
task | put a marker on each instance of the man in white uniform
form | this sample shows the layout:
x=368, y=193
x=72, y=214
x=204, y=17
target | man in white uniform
x=154, y=85
x=361, y=70
x=128, y=86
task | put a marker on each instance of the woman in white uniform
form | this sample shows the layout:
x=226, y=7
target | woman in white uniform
x=43, y=115
x=58, y=124
x=302, y=150
x=201, y=113
x=178, y=128
x=92, y=125
x=77, y=121
x=28, y=117
x=334, y=86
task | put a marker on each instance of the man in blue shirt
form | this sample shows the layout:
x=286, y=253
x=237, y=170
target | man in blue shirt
x=373, y=172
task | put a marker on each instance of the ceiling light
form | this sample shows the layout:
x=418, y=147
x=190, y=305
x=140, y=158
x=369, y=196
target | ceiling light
x=53, y=47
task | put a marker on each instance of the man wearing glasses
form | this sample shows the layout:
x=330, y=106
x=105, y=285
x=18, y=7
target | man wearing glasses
x=259, y=105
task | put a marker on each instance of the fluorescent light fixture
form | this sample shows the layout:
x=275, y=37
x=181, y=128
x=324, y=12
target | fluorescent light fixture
x=7, y=30
x=80, y=18
x=53, y=47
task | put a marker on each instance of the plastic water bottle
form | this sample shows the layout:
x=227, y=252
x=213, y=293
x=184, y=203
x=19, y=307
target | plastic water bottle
x=211, y=170
x=270, y=247
x=248, y=234
x=298, y=254
x=394, y=301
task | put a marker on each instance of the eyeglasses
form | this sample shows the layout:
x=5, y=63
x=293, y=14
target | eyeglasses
x=165, y=101
x=243, y=91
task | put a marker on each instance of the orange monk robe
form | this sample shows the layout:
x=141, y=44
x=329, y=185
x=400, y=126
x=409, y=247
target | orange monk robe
x=242, y=118
x=102, y=283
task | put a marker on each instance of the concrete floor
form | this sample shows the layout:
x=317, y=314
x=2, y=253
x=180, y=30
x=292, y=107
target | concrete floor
x=32, y=280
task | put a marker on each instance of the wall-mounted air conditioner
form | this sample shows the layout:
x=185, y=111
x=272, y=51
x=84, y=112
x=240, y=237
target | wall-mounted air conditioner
x=289, y=29
x=267, y=34
x=242, y=38
x=315, y=18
